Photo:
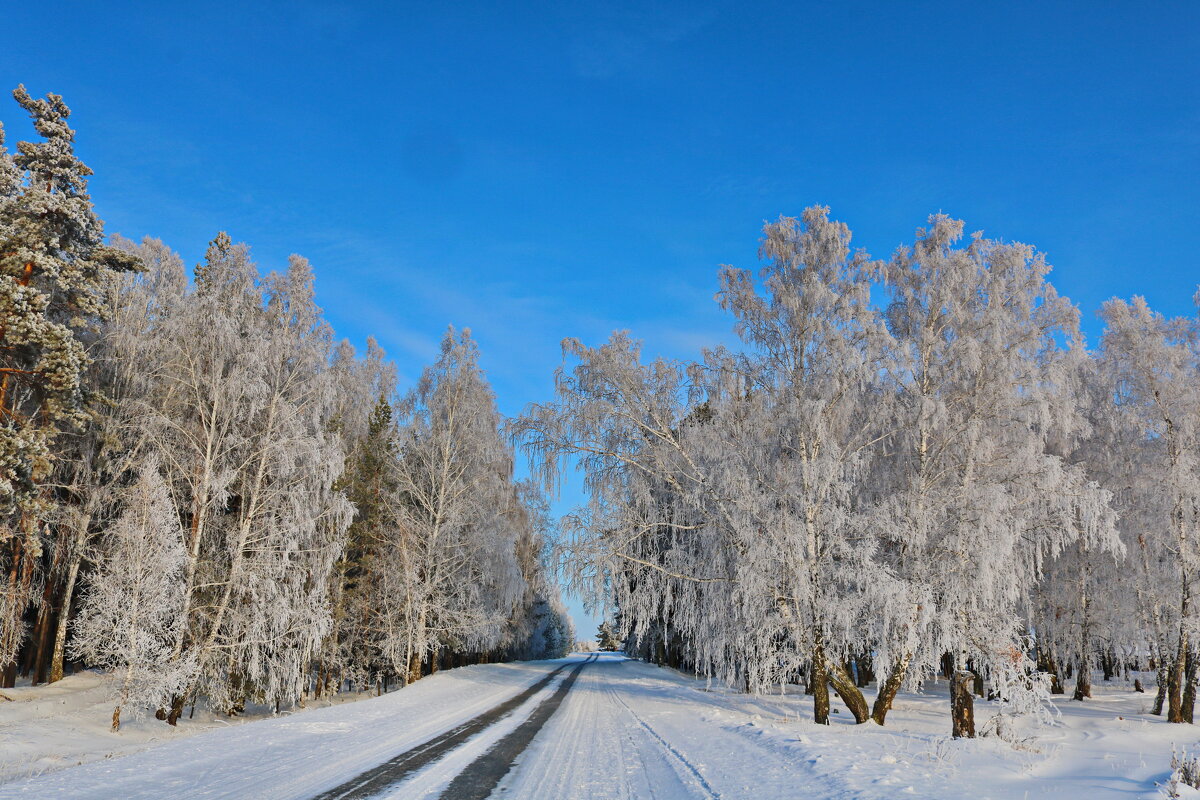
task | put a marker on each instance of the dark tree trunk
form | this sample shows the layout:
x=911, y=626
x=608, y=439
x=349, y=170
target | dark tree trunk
x=843, y=684
x=819, y=678
x=46, y=620
x=176, y=709
x=1048, y=664
x=1160, y=695
x=41, y=666
x=962, y=706
x=863, y=671
x=235, y=682
x=1175, y=681
x=888, y=690
x=8, y=672
x=1189, y=688
x=1083, y=683
x=29, y=648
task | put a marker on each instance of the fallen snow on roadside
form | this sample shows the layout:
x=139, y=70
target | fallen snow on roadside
x=1105, y=747
x=53, y=726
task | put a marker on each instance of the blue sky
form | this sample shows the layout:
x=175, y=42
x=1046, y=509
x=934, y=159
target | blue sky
x=535, y=171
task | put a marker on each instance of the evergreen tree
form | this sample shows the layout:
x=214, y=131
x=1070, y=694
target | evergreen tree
x=55, y=272
x=606, y=639
x=369, y=484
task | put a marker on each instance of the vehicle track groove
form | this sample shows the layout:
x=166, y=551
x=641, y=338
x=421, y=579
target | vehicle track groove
x=482, y=775
x=671, y=752
x=380, y=778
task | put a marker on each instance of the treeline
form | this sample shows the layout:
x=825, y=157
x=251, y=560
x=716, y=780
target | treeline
x=203, y=491
x=912, y=466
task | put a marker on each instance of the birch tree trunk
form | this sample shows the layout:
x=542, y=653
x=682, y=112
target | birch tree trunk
x=820, y=681
x=68, y=594
x=889, y=689
x=962, y=705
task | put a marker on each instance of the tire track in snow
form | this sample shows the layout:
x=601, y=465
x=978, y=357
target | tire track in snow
x=699, y=742
x=592, y=750
x=678, y=757
x=380, y=778
x=481, y=777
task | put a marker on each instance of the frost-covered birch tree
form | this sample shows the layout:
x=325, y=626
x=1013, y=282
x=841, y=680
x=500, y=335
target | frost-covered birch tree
x=813, y=403
x=979, y=500
x=1153, y=373
x=450, y=576
x=132, y=613
x=237, y=405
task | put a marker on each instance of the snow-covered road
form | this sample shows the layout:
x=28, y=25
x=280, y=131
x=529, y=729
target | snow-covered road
x=622, y=729
x=631, y=730
x=581, y=729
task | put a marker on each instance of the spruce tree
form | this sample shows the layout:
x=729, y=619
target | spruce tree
x=607, y=639
x=370, y=486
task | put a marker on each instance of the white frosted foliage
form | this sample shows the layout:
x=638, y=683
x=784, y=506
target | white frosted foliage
x=132, y=616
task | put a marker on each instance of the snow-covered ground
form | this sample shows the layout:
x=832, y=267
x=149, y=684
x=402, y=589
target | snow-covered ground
x=643, y=731
x=53, y=726
x=625, y=730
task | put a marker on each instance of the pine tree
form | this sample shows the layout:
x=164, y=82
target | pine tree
x=55, y=273
x=369, y=484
